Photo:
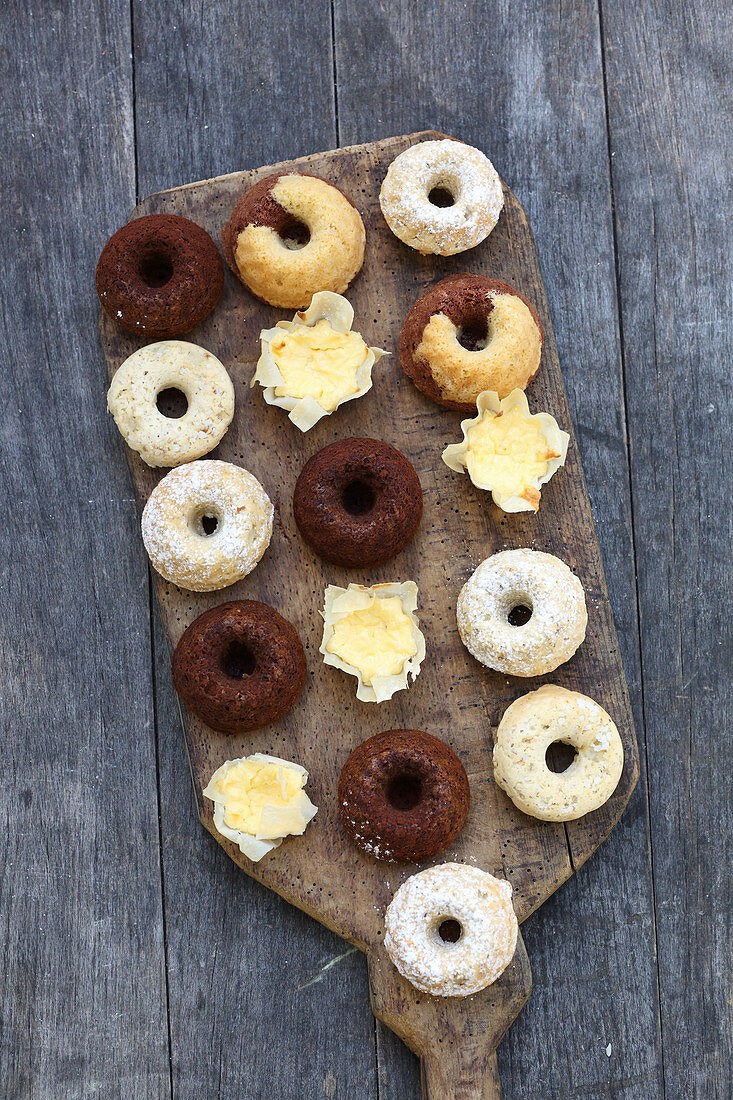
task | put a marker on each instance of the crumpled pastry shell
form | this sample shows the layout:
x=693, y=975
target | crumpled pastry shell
x=251, y=846
x=456, y=454
x=306, y=411
x=527, y=729
x=342, y=601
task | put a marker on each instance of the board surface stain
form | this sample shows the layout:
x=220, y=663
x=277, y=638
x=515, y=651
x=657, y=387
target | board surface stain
x=454, y=697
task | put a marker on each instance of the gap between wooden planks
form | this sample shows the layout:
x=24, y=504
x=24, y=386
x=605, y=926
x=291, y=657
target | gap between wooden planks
x=454, y=697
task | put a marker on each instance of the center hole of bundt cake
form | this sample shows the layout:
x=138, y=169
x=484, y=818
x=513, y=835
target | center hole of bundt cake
x=450, y=931
x=155, y=269
x=441, y=196
x=294, y=234
x=172, y=403
x=238, y=660
x=559, y=756
x=519, y=615
x=358, y=498
x=473, y=334
x=404, y=791
x=205, y=520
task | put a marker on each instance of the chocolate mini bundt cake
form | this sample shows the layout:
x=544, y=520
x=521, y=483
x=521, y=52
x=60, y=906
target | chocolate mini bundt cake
x=159, y=276
x=358, y=502
x=403, y=795
x=239, y=666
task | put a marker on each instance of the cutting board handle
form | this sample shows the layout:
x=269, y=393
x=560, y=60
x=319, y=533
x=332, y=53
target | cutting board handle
x=445, y=1075
x=454, y=1037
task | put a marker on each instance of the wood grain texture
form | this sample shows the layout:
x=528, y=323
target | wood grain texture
x=669, y=95
x=525, y=84
x=215, y=92
x=225, y=85
x=273, y=1001
x=82, y=1006
x=217, y=89
x=459, y=529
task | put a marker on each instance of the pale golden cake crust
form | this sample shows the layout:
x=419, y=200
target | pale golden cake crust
x=294, y=206
x=455, y=169
x=526, y=731
x=478, y=902
x=527, y=578
x=176, y=538
x=467, y=334
x=179, y=365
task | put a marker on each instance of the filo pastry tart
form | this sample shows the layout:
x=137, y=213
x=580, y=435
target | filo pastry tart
x=312, y=365
x=373, y=634
x=509, y=451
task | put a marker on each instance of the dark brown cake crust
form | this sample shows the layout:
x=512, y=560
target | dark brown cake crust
x=257, y=207
x=159, y=276
x=403, y=795
x=463, y=299
x=357, y=502
x=239, y=666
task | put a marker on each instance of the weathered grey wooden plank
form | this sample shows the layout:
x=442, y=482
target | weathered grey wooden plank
x=82, y=1000
x=219, y=89
x=525, y=83
x=669, y=90
x=263, y=1000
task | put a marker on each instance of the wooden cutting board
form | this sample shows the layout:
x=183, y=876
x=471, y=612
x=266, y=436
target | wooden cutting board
x=454, y=697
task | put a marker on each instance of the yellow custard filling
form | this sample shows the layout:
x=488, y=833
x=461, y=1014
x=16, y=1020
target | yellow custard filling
x=319, y=362
x=508, y=452
x=262, y=797
x=377, y=640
